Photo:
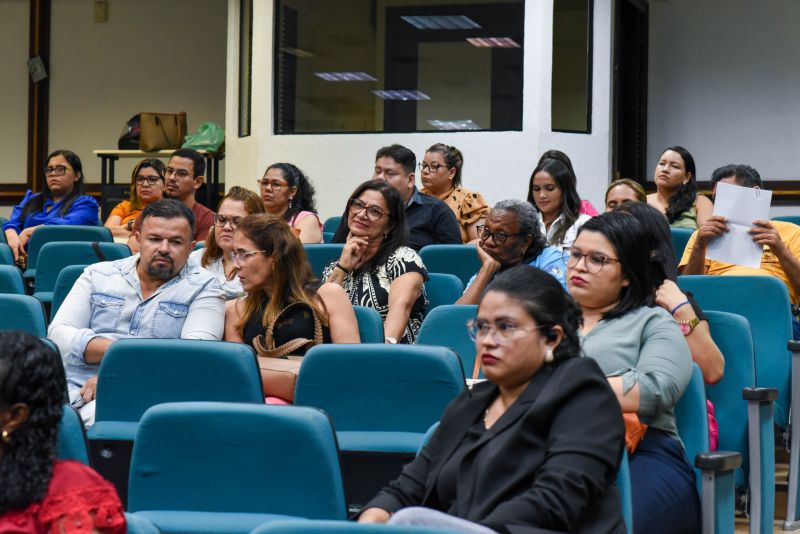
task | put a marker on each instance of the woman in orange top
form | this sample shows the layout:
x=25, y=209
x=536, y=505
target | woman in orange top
x=147, y=185
x=441, y=176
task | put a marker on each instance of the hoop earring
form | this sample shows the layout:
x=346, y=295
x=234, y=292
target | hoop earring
x=6, y=436
x=548, y=356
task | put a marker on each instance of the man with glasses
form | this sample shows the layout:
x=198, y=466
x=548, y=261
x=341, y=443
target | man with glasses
x=155, y=294
x=429, y=220
x=183, y=177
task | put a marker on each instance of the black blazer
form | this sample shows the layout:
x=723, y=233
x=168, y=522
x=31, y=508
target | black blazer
x=549, y=462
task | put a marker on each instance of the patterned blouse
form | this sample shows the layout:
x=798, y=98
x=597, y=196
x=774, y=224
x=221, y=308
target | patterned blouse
x=469, y=207
x=371, y=288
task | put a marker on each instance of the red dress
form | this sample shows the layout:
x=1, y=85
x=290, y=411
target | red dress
x=77, y=500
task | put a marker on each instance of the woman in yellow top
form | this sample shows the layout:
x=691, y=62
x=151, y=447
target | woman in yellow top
x=147, y=185
x=441, y=177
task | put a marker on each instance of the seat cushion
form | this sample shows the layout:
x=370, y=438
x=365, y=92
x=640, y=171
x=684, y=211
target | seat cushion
x=181, y=521
x=379, y=441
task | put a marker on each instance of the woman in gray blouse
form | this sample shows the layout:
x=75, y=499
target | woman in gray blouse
x=640, y=348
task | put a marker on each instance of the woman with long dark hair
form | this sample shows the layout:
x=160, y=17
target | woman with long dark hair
x=376, y=268
x=147, y=186
x=611, y=274
x=511, y=236
x=676, y=190
x=61, y=202
x=553, y=192
x=287, y=193
x=39, y=493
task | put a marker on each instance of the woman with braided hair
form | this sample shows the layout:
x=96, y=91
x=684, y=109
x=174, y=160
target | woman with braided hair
x=37, y=493
x=288, y=194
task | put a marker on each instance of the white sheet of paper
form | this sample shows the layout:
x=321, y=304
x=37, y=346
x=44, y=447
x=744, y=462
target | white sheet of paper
x=741, y=206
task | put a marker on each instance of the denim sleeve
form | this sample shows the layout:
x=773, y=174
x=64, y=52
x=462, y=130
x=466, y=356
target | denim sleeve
x=553, y=264
x=15, y=222
x=206, y=317
x=70, y=327
x=82, y=212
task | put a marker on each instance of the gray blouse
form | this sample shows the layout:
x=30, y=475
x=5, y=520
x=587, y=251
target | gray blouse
x=645, y=346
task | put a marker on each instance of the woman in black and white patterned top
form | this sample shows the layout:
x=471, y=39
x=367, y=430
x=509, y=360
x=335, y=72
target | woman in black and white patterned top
x=376, y=269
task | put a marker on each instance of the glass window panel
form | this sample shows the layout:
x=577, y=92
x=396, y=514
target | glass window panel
x=572, y=66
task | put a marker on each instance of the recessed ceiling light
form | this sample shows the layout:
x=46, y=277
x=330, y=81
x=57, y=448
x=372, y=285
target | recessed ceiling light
x=345, y=76
x=465, y=124
x=401, y=94
x=442, y=22
x=493, y=42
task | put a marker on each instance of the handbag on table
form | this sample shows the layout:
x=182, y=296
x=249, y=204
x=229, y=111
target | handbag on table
x=151, y=132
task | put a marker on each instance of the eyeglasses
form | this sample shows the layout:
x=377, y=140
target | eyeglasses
x=275, y=185
x=239, y=257
x=151, y=180
x=374, y=213
x=433, y=167
x=180, y=173
x=58, y=170
x=221, y=221
x=503, y=333
x=593, y=261
x=499, y=237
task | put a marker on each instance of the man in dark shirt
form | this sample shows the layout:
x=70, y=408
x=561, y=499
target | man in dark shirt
x=429, y=220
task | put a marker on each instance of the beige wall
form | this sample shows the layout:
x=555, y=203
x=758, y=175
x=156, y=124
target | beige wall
x=151, y=55
x=13, y=89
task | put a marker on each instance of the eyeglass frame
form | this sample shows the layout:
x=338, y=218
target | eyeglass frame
x=575, y=252
x=473, y=332
x=151, y=180
x=244, y=254
x=234, y=221
x=272, y=185
x=56, y=170
x=439, y=166
x=364, y=206
x=482, y=230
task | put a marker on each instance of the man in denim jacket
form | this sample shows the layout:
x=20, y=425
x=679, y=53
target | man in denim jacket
x=154, y=294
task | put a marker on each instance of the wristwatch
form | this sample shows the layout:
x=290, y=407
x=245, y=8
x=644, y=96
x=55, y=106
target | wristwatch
x=687, y=326
x=391, y=340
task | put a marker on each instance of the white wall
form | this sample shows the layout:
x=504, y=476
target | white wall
x=498, y=164
x=13, y=90
x=151, y=55
x=723, y=82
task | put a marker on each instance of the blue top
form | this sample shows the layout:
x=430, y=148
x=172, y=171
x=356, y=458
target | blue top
x=82, y=212
x=551, y=261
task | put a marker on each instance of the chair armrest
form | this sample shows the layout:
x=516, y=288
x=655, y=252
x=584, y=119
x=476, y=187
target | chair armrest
x=718, y=461
x=794, y=346
x=760, y=394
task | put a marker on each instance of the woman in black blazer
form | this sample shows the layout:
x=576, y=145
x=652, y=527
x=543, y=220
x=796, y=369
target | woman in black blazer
x=536, y=448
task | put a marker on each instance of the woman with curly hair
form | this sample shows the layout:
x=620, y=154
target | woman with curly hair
x=288, y=194
x=676, y=190
x=40, y=494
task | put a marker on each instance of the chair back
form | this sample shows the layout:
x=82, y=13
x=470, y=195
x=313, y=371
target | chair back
x=11, y=280
x=370, y=324
x=236, y=458
x=427, y=437
x=72, y=444
x=56, y=255
x=625, y=494
x=680, y=236
x=331, y=224
x=446, y=326
x=442, y=288
x=794, y=219
x=460, y=260
x=6, y=256
x=764, y=302
x=136, y=374
x=732, y=335
x=66, y=279
x=48, y=233
x=691, y=417
x=320, y=255
x=22, y=312
x=393, y=388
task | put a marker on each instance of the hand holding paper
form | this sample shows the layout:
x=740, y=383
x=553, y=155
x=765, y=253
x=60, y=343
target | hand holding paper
x=740, y=206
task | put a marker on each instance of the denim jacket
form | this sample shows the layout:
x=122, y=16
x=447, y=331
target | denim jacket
x=106, y=301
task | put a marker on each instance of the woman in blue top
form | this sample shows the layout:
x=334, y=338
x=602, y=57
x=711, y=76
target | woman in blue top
x=61, y=202
x=509, y=237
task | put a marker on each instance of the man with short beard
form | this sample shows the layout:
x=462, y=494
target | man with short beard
x=155, y=294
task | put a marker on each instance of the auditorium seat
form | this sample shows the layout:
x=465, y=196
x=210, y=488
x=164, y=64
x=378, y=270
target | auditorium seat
x=460, y=260
x=11, y=281
x=442, y=289
x=66, y=279
x=320, y=255
x=446, y=326
x=48, y=233
x=72, y=443
x=370, y=324
x=22, y=312
x=6, y=256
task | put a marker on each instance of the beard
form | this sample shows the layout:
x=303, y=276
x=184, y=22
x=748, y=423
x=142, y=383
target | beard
x=162, y=272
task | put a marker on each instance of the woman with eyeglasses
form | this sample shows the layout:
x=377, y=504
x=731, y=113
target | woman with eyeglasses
x=376, y=268
x=535, y=448
x=611, y=274
x=441, y=178
x=284, y=308
x=61, y=202
x=215, y=257
x=510, y=237
x=147, y=186
x=287, y=193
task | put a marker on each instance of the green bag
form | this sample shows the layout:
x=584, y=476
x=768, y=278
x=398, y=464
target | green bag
x=209, y=137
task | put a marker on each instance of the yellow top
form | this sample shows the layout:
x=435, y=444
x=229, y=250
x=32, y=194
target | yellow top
x=469, y=207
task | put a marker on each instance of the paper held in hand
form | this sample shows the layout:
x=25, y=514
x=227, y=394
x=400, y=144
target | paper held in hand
x=741, y=206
